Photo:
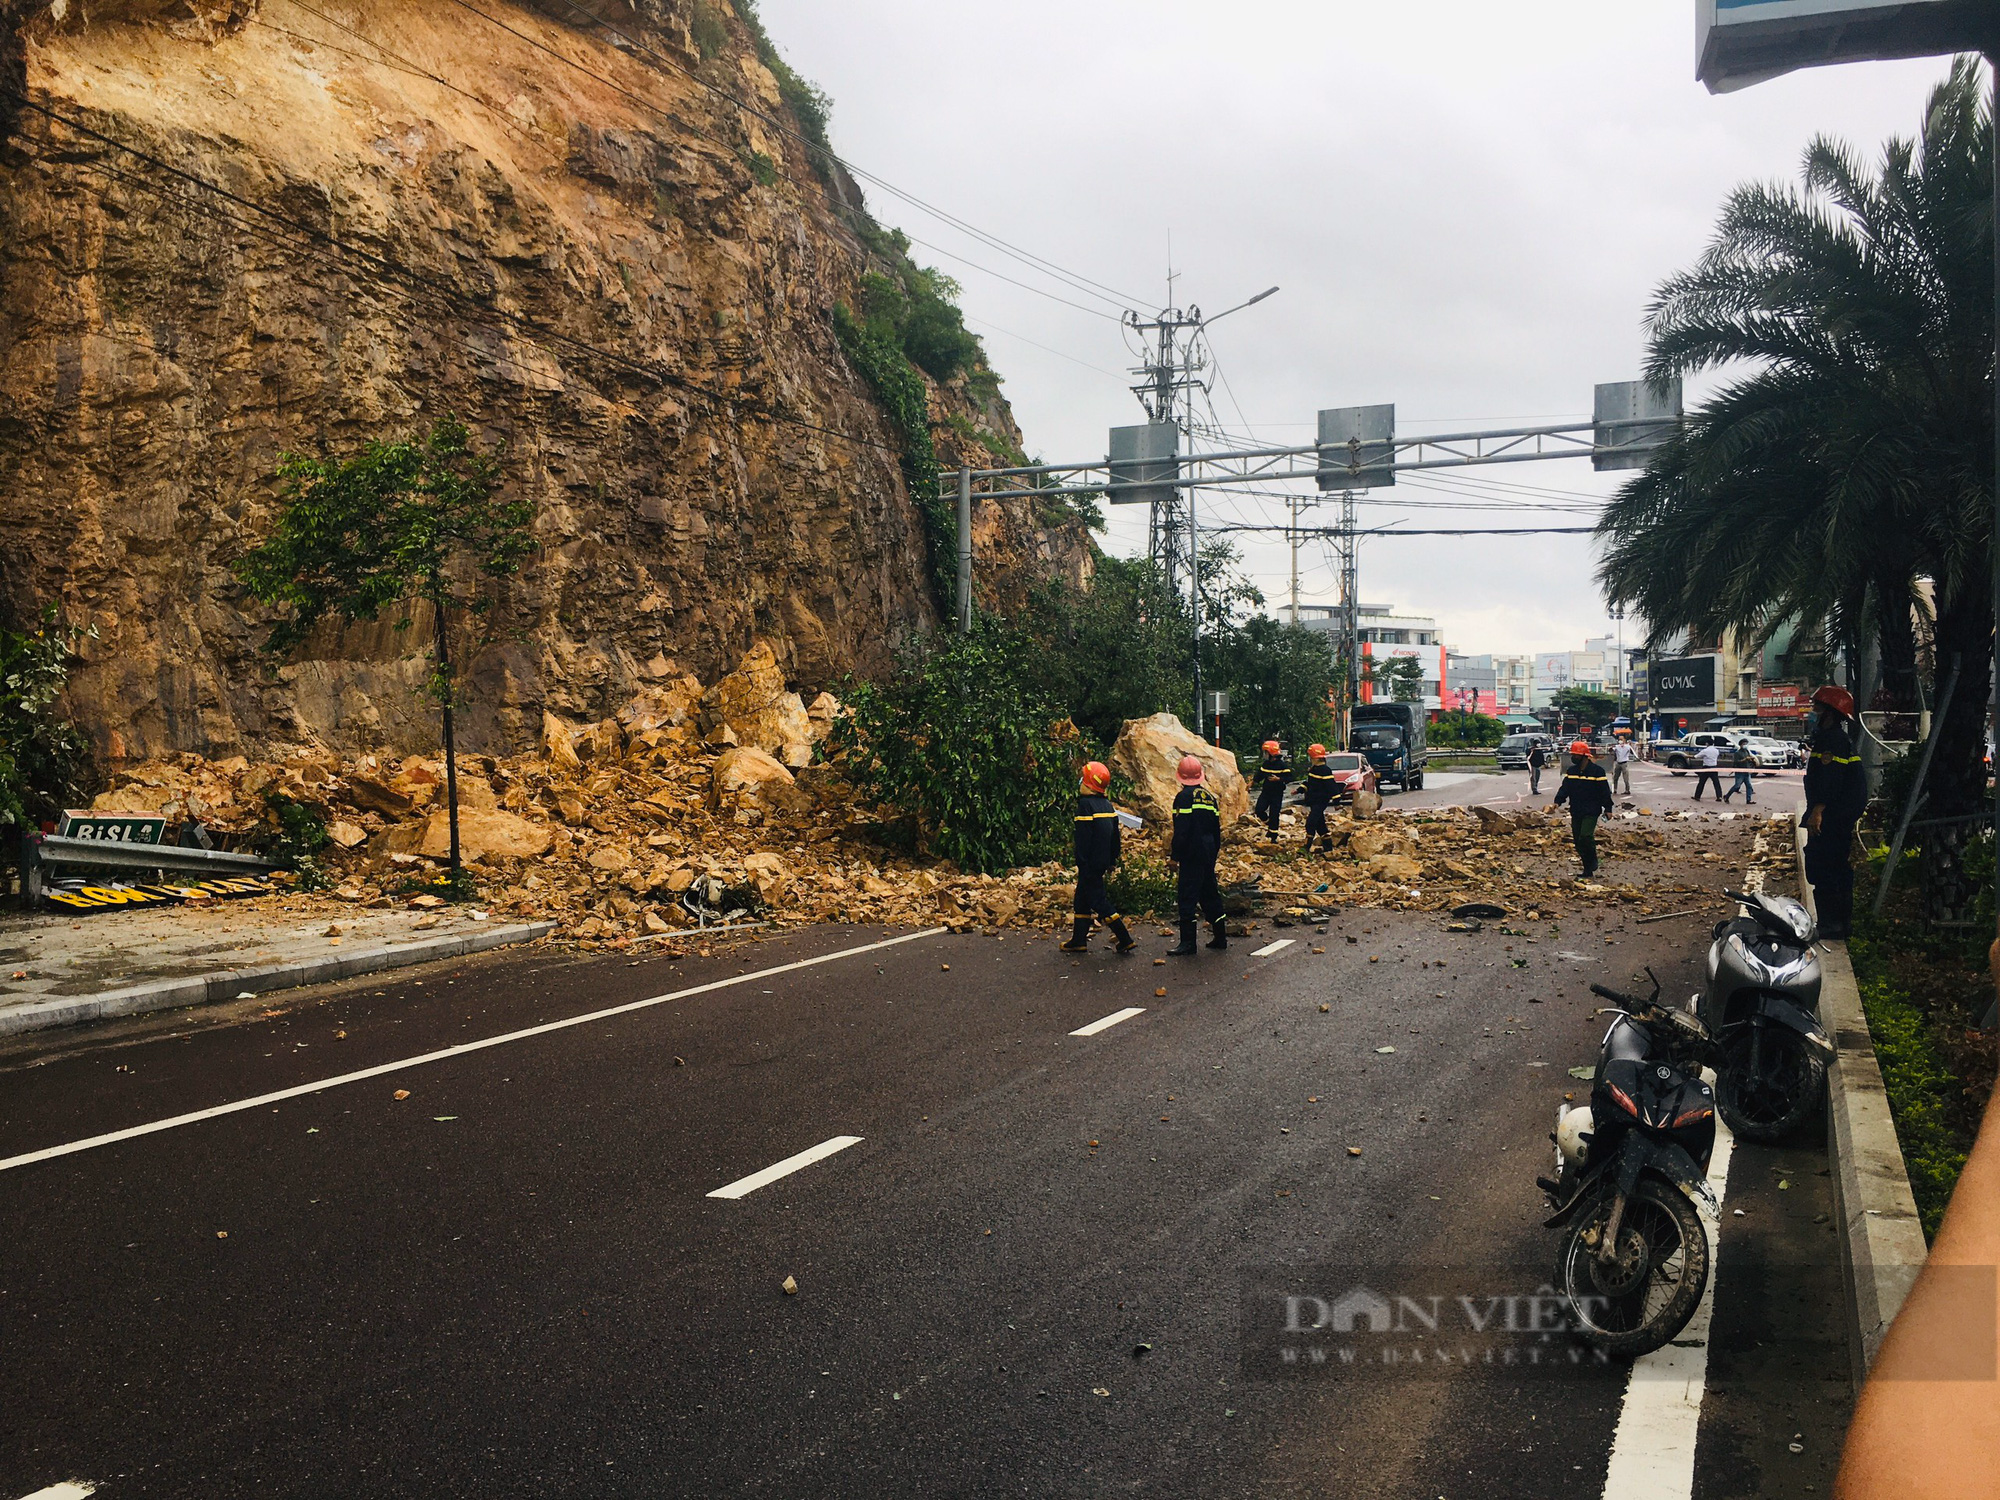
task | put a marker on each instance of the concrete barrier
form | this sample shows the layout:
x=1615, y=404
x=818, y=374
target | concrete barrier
x=1882, y=1243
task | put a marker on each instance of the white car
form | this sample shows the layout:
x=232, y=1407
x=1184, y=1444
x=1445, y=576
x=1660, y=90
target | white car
x=1771, y=755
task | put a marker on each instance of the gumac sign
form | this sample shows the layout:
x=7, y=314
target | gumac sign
x=1685, y=682
x=1741, y=42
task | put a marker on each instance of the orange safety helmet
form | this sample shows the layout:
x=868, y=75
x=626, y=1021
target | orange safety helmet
x=1837, y=698
x=1188, y=772
x=1096, y=776
x=1317, y=752
x=1270, y=747
x=1579, y=747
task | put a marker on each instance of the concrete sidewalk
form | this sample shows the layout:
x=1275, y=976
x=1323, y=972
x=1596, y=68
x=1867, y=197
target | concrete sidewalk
x=59, y=969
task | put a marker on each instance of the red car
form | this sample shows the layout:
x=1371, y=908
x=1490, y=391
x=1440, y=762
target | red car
x=1354, y=772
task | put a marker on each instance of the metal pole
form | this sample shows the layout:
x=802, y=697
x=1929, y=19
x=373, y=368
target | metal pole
x=1993, y=67
x=964, y=550
x=1292, y=535
x=1194, y=589
x=1916, y=793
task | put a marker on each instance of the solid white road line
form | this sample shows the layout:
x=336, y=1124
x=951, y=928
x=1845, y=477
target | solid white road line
x=1652, y=1455
x=112, y=1137
x=69, y=1489
x=1110, y=1021
x=1269, y=948
x=743, y=1186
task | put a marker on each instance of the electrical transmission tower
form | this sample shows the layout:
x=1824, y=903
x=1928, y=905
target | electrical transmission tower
x=1169, y=376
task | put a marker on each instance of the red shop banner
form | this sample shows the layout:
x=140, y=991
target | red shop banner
x=1782, y=700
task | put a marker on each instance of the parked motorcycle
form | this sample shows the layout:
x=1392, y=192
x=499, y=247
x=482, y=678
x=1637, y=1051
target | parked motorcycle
x=1760, y=1004
x=1631, y=1168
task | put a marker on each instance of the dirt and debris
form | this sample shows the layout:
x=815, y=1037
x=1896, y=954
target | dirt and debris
x=671, y=821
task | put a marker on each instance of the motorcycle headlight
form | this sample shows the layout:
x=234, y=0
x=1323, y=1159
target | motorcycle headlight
x=1795, y=917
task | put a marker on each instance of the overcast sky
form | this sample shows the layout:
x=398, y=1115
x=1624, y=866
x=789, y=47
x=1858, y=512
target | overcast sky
x=1467, y=206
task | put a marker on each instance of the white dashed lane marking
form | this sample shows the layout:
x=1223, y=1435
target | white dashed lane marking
x=1107, y=1022
x=1269, y=948
x=69, y=1489
x=744, y=1186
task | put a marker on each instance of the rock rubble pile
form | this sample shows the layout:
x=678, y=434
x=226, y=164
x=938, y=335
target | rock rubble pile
x=703, y=808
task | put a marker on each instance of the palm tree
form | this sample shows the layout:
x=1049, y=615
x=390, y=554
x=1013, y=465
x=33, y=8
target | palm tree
x=1850, y=452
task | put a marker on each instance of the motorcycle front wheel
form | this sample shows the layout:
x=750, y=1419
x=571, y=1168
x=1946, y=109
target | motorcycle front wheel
x=1769, y=1084
x=1653, y=1284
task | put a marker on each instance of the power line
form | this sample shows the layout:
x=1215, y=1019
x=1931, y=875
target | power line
x=1045, y=348
x=421, y=281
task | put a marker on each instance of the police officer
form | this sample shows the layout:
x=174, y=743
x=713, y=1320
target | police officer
x=1588, y=793
x=1273, y=775
x=1097, y=847
x=1197, y=841
x=1836, y=792
x=1321, y=787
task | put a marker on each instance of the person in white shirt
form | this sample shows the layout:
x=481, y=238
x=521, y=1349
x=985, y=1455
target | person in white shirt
x=1711, y=757
x=1621, y=762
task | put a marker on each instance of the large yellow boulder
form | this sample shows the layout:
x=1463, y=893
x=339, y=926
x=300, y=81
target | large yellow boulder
x=483, y=833
x=745, y=778
x=1149, y=750
x=753, y=702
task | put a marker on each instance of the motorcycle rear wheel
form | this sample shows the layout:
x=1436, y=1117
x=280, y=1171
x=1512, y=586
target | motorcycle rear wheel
x=1663, y=1268
x=1770, y=1103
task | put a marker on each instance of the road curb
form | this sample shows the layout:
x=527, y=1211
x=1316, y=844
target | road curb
x=1882, y=1244
x=227, y=984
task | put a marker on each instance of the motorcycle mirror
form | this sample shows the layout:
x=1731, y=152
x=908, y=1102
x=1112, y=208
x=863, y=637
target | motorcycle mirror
x=1656, y=983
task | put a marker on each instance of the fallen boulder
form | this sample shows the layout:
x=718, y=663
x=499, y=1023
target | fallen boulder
x=746, y=778
x=753, y=702
x=670, y=706
x=1148, y=752
x=483, y=833
x=559, y=744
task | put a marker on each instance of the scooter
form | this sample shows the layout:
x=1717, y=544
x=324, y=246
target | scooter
x=1631, y=1172
x=1760, y=1004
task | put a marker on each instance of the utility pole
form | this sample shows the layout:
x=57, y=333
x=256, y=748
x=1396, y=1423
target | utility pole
x=1169, y=376
x=1292, y=536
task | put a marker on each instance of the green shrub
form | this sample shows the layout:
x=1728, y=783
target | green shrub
x=1142, y=885
x=45, y=761
x=900, y=390
x=1926, y=1099
x=966, y=739
x=710, y=35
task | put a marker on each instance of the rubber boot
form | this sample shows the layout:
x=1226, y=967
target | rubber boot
x=1186, y=947
x=1122, y=934
x=1079, y=936
x=1218, y=933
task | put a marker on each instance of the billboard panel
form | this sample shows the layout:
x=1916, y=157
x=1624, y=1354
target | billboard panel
x=1685, y=682
x=1617, y=442
x=1356, y=447
x=1782, y=700
x=1141, y=457
x=1741, y=42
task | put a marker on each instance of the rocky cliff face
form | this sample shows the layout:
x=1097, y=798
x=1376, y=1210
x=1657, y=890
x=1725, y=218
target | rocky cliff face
x=338, y=219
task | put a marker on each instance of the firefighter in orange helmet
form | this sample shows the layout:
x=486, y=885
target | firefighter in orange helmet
x=1274, y=774
x=1321, y=786
x=1836, y=792
x=1097, y=849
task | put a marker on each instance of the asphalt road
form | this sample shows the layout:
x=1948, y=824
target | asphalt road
x=1653, y=786
x=513, y=1281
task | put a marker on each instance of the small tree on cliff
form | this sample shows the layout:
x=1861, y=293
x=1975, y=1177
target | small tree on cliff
x=388, y=527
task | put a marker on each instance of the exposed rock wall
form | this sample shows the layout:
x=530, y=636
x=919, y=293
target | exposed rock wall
x=619, y=274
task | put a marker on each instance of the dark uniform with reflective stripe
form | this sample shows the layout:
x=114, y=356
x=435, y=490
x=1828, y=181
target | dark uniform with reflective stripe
x=1835, y=785
x=1272, y=777
x=1097, y=849
x=1587, y=790
x=1197, y=842
x=1321, y=787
